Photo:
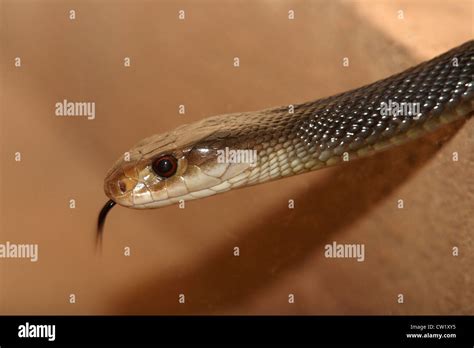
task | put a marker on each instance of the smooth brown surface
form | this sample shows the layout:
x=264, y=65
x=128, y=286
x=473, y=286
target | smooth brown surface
x=190, y=250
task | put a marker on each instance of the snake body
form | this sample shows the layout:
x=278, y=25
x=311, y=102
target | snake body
x=294, y=139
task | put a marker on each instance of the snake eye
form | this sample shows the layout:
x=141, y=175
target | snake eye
x=165, y=166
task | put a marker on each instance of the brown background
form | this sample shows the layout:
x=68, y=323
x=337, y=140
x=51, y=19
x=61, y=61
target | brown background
x=190, y=250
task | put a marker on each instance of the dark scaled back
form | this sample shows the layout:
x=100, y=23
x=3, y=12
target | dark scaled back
x=353, y=119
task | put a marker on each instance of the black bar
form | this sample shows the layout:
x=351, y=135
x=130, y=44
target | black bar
x=241, y=329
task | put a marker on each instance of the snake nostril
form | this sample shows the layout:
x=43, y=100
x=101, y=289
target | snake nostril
x=122, y=186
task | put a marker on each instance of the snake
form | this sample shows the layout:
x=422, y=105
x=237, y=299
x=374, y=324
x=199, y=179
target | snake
x=225, y=152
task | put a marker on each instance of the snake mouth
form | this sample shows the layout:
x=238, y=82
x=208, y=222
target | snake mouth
x=118, y=187
x=131, y=184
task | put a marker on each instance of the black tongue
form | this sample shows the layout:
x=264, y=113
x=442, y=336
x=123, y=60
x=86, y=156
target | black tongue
x=101, y=221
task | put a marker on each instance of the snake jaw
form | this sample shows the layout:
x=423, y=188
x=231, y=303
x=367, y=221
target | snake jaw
x=192, y=184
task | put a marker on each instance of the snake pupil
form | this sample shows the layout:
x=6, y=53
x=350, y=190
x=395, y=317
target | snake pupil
x=165, y=166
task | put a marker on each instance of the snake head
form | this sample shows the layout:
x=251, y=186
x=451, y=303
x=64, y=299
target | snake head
x=164, y=169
